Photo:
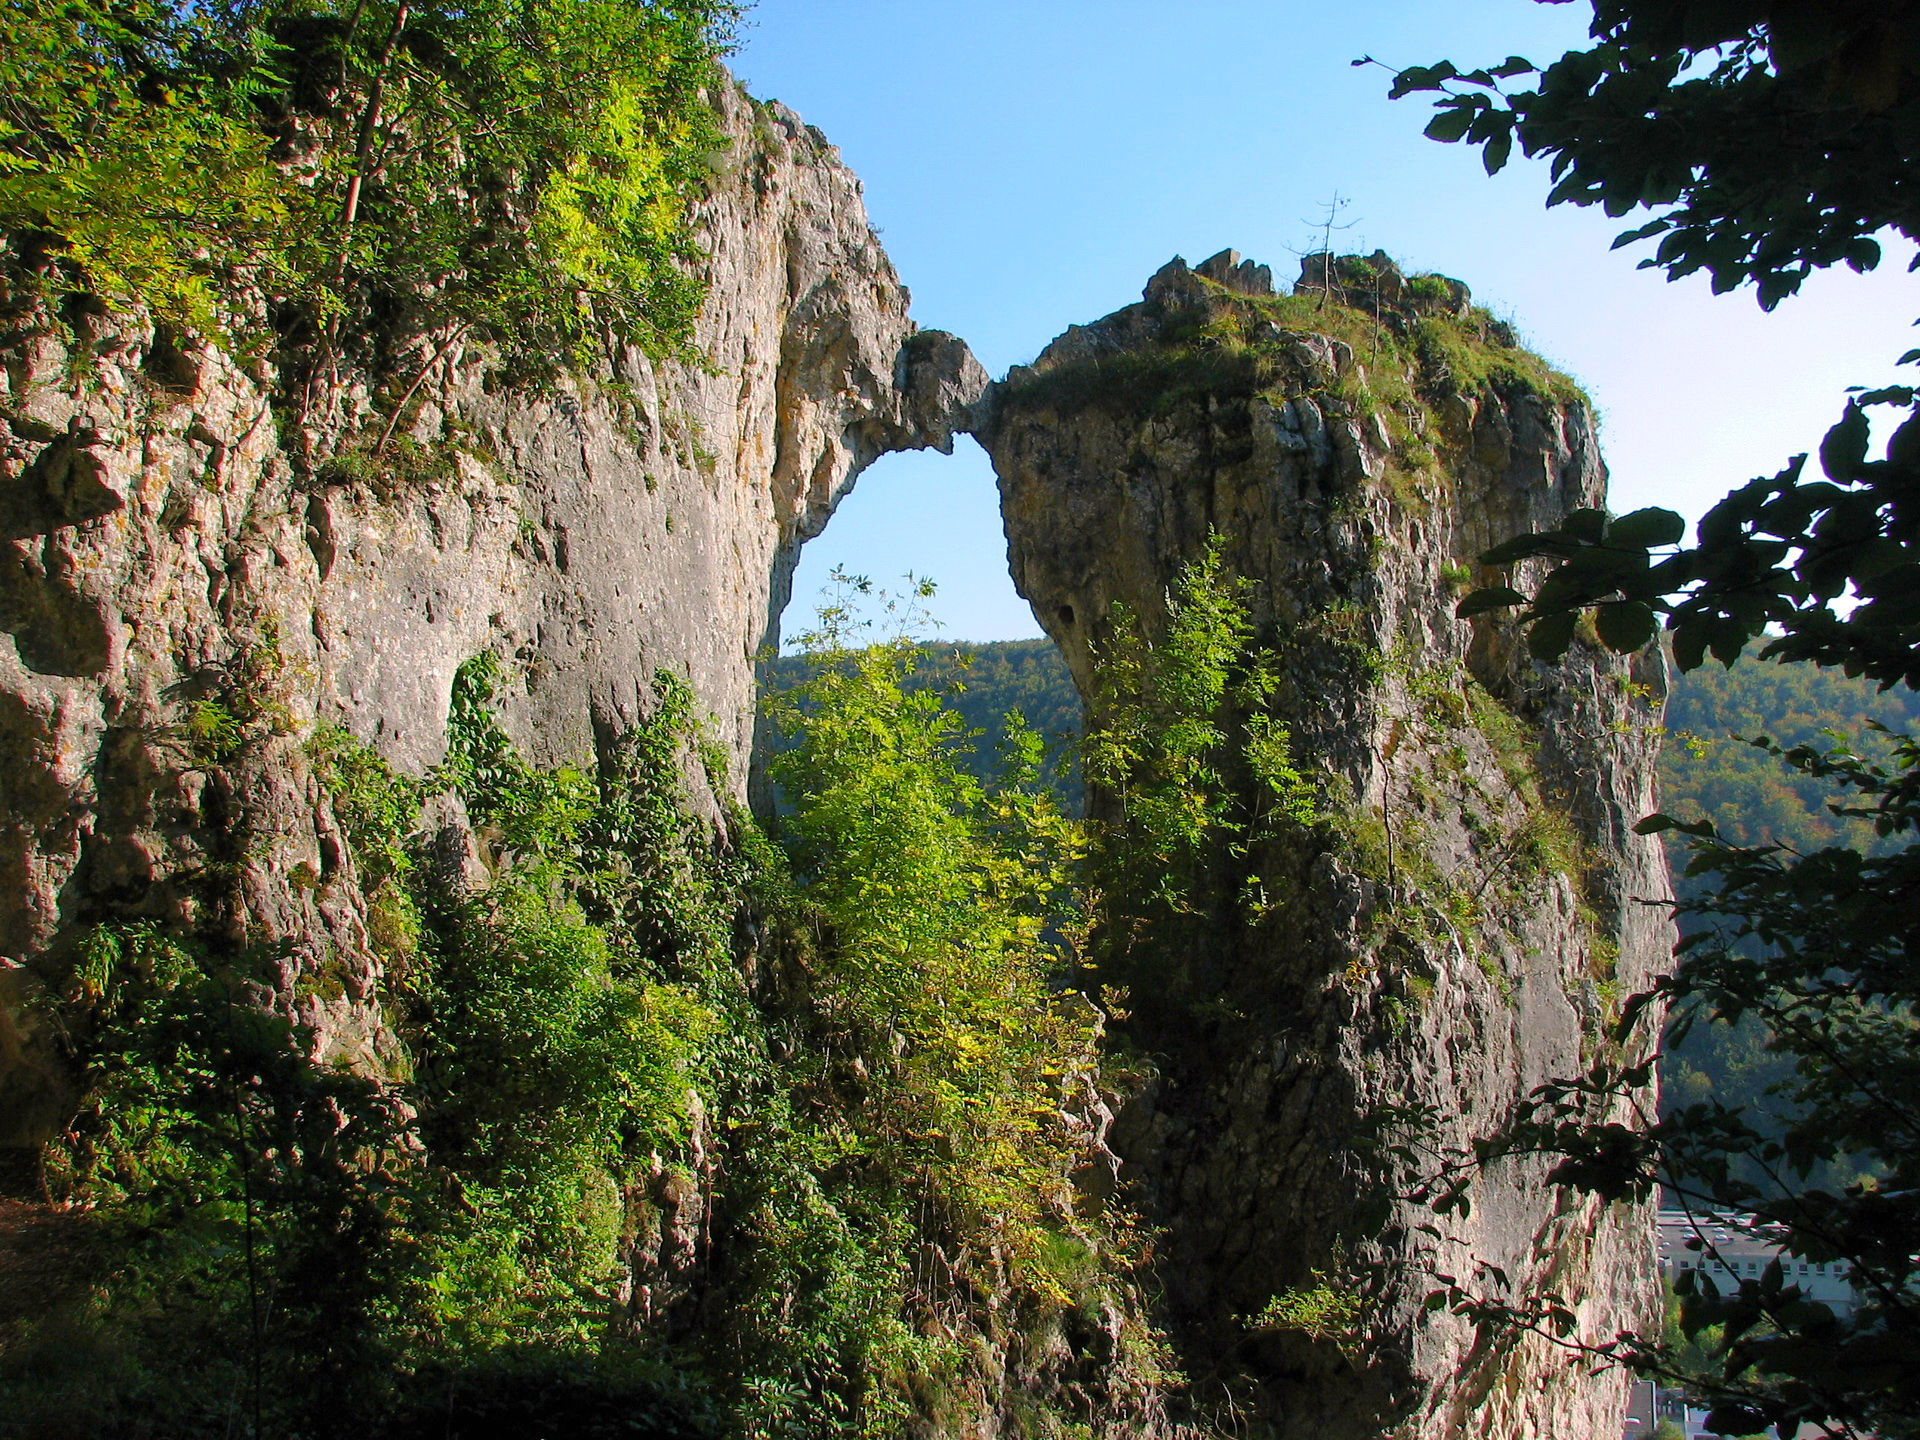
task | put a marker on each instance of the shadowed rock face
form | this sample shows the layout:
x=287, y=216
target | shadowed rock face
x=163, y=544
x=1460, y=925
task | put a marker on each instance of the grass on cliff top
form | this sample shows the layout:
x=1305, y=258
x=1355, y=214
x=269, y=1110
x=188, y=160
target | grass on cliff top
x=1154, y=382
x=1228, y=353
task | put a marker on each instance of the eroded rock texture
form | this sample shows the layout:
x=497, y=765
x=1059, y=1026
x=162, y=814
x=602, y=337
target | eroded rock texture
x=200, y=565
x=1464, y=919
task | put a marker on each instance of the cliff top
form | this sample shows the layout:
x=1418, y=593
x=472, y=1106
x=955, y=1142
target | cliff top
x=1222, y=326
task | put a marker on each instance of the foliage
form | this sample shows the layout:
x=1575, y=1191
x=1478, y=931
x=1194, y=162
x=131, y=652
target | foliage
x=1821, y=571
x=1706, y=770
x=519, y=168
x=1171, y=716
x=1770, y=141
x=1709, y=768
x=1320, y=1311
x=892, y=1102
x=995, y=689
x=123, y=139
x=1773, y=139
x=1193, y=773
x=246, y=1184
x=347, y=1236
x=943, y=901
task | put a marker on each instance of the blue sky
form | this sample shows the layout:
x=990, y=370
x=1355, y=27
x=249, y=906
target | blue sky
x=1029, y=165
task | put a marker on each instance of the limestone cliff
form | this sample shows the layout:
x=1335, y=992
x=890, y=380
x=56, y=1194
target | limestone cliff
x=206, y=563
x=178, y=546
x=1463, y=919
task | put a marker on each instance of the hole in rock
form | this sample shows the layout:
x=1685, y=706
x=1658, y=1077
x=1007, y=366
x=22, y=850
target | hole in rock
x=936, y=517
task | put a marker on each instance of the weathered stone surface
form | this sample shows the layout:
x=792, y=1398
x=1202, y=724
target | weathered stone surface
x=1243, y=277
x=167, y=543
x=1449, y=973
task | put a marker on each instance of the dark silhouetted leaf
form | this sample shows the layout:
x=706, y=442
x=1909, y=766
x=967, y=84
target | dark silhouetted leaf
x=1549, y=636
x=1647, y=528
x=1624, y=627
x=1493, y=597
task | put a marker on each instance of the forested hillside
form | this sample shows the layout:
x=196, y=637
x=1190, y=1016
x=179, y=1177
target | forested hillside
x=988, y=685
x=1705, y=768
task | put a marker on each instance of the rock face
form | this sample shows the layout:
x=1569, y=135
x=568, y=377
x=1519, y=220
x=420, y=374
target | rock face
x=199, y=574
x=182, y=583
x=1462, y=920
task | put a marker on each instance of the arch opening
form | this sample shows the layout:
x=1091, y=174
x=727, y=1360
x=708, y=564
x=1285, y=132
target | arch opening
x=935, y=517
x=920, y=515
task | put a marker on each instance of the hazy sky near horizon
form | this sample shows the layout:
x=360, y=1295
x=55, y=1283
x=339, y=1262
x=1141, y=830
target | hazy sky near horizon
x=1029, y=163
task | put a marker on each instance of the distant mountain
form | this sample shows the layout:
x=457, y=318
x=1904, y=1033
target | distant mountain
x=1753, y=798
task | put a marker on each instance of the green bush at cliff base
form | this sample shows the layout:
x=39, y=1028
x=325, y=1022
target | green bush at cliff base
x=943, y=900
x=272, y=1220
x=291, y=1251
x=520, y=169
x=237, y=1209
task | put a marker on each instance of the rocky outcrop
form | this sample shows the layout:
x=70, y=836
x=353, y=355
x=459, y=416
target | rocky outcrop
x=204, y=566
x=193, y=579
x=1462, y=919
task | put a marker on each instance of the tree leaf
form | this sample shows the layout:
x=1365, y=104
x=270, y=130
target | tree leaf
x=1659, y=824
x=1492, y=597
x=1498, y=149
x=1645, y=529
x=1845, y=445
x=1521, y=547
x=1727, y=637
x=1453, y=121
x=1585, y=524
x=1639, y=232
x=1550, y=635
x=1625, y=626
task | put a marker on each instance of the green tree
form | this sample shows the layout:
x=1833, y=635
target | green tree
x=1766, y=140
x=946, y=909
x=517, y=168
x=122, y=151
